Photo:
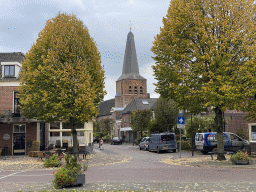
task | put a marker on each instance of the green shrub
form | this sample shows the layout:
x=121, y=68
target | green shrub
x=137, y=141
x=240, y=156
x=36, y=145
x=106, y=139
x=52, y=161
x=241, y=133
x=66, y=175
x=185, y=145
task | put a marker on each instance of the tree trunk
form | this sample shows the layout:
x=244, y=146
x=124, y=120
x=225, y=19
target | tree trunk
x=219, y=129
x=75, y=143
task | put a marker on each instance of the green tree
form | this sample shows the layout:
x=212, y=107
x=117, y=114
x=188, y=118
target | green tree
x=106, y=125
x=61, y=77
x=166, y=113
x=140, y=120
x=205, y=56
x=200, y=124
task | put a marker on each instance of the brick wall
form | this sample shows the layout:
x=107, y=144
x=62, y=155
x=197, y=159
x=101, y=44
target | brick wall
x=126, y=97
x=237, y=121
x=31, y=133
x=6, y=98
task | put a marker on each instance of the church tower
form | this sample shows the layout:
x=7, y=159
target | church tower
x=130, y=84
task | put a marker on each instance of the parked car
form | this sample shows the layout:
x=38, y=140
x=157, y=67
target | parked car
x=206, y=142
x=96, y=139
x=116, y=140
x=144, y=143
x=162, y=142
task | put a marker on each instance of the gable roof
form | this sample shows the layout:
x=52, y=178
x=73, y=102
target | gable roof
x=12, y=57
x=141, y=104
x=105, y=107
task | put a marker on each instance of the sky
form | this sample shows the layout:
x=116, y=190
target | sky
x=108, y=21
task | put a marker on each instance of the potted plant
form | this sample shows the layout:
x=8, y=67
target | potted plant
x=70, y=174
x=240, y=158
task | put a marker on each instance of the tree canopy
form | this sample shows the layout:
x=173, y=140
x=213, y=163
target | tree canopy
x=205, y=56
x=62, y=78
x=166, y=113
x=140, y=120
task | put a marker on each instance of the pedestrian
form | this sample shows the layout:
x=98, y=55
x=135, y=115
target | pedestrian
x=101, y=144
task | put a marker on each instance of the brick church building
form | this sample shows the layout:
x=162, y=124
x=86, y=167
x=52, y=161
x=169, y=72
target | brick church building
x=131, y=94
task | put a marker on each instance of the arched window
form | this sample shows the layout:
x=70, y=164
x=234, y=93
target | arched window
x=130, y=89
x=135, y=90
x=141, y=91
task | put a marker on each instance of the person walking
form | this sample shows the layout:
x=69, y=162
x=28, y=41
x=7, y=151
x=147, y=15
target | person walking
x=101, y=144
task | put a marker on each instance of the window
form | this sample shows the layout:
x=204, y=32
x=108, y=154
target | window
x=141, y=91
x=130, y=89
x=9, y=71
x=253, y=133
x=16, y=103
x=135, y=90
x=19, y=128
x=55, y=126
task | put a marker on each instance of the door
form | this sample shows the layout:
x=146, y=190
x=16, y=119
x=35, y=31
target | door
x=18, y=143
x=237, y=143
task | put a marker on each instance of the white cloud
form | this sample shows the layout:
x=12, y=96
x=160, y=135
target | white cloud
x=131, y=2
x=110, y=87
x=147, y=72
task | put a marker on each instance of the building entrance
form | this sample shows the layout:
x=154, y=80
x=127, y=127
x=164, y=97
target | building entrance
x=19, y=143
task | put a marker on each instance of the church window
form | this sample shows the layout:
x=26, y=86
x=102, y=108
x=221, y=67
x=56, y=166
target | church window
x=141, y=91
x=130, y=89
x=135, y=90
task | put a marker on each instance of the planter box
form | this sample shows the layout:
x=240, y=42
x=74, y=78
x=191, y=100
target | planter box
x=241, y=162
x=80, y=179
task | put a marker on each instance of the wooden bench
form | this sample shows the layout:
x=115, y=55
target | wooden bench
x=216, y=153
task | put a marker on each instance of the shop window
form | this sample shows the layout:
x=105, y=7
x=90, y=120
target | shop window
x=130, y=89
x=135, y=90
x=141, y=91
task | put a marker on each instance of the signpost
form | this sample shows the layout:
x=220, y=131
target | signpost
x=180, y=125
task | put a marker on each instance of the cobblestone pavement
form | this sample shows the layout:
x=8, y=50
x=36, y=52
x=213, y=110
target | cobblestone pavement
x=107, y=157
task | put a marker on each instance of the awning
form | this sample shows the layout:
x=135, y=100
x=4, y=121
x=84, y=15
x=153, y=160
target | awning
x=126, y=129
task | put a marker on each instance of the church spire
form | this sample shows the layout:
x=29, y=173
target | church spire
x=130, y=65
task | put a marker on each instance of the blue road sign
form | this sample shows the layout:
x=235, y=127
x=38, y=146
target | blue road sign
x=181, y=120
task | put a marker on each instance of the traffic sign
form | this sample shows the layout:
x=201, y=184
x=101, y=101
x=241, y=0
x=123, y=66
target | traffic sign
x=181, y=122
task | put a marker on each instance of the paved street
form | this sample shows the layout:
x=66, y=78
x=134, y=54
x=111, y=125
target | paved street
x=125, y=167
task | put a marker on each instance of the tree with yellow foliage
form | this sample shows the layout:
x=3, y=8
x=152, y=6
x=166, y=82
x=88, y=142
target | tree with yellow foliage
x=62, y=78
x=205, y=56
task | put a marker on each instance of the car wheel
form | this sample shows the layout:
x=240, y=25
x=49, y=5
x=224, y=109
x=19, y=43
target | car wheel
x=140, y=147
x=174, y=150
x=158, y=151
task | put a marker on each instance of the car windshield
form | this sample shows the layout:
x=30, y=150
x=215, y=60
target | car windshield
x=167, y=137
x=116, y=138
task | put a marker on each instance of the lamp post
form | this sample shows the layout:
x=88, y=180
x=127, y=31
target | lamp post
x=192, y=147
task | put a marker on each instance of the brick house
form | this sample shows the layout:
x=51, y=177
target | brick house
x=16, y=132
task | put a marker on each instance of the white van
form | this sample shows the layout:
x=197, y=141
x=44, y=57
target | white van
x=206, y=142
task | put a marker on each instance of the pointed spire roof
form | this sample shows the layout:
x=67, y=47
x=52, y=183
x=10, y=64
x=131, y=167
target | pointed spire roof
x=130, y=65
